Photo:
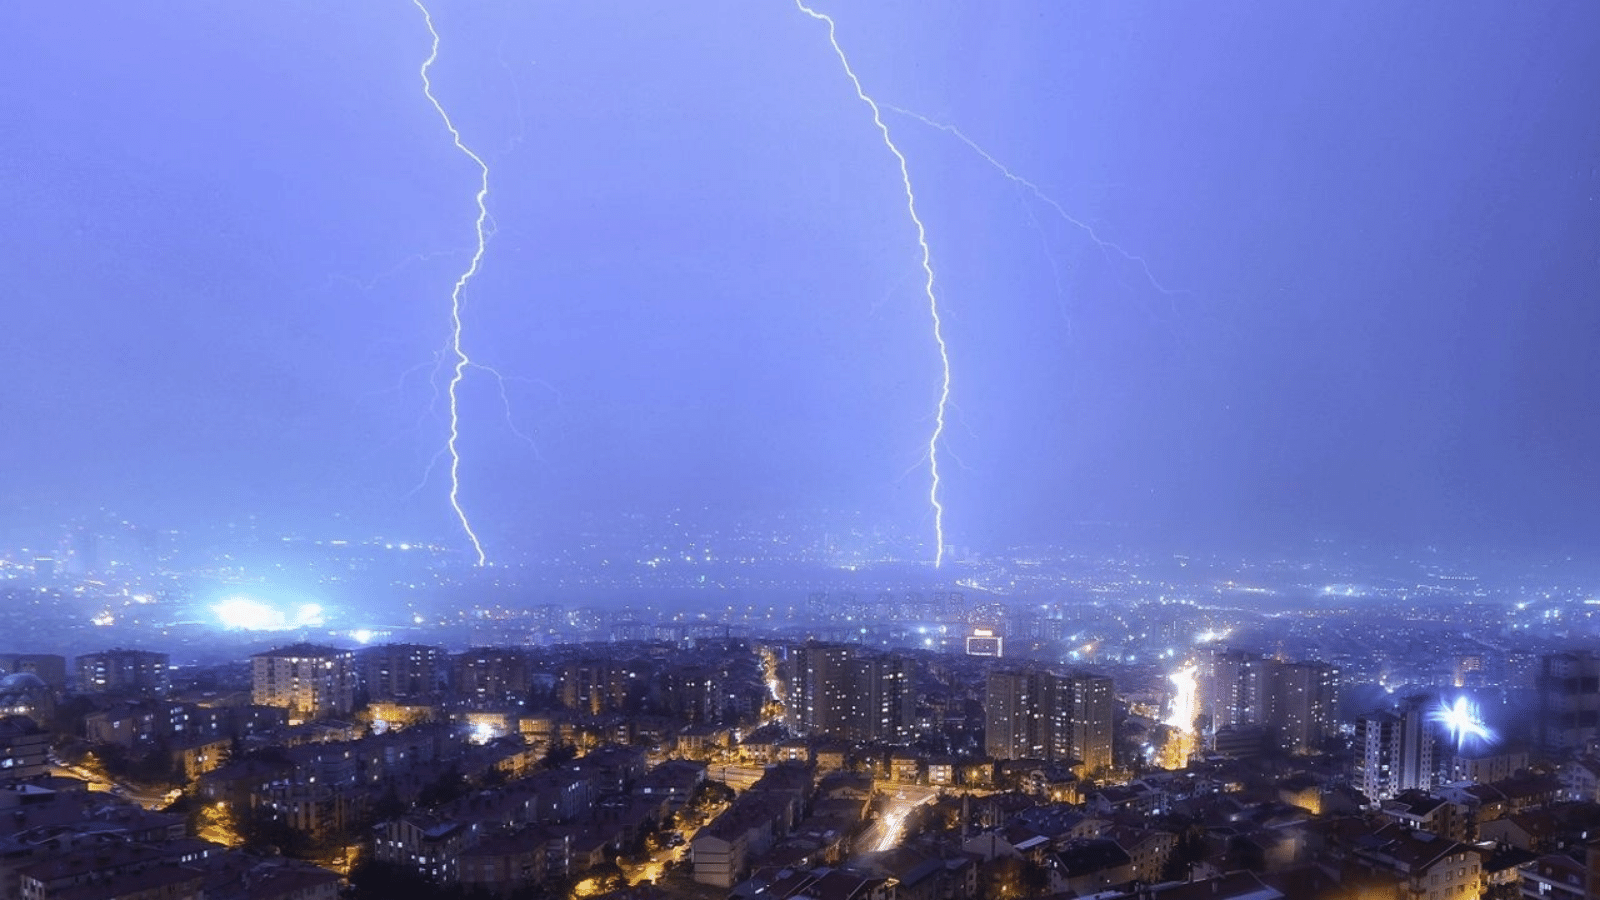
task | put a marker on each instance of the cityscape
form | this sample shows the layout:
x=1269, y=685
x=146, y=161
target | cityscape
x=800, y=450
x=1039, y=724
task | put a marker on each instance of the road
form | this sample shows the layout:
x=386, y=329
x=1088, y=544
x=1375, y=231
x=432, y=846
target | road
x=146, y=799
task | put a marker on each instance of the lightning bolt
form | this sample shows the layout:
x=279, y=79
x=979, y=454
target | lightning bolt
x=462, y=360
x=1105, y=246
x=927, y=287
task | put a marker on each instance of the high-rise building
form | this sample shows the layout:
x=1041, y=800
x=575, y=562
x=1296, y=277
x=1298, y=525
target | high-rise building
x=1302, y=704
x=143, y=672
x=595, y=685
x=493, y=675
x=1295, y=701
x=1230, y=687
x=1569, y=701
x=1082, y=728
x=839, y=690
x=1035, y=714
x=310, y=681
x=883, y=707
x=402, y=671
x=50, y=668
x=695, y=693
x=1012, y=712
x=820, y=688
x=1394, y=751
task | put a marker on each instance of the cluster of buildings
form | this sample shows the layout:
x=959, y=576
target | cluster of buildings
x=767, y=772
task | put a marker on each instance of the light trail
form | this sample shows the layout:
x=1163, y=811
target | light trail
x=927, y=270
x=1184, y=702
x=462, y=360
x=1180, y=717
x=1038, y=192
x=893, y=825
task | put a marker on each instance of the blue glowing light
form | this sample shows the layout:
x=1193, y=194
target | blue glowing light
x=1463, y=722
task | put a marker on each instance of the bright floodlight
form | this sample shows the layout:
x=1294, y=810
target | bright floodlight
x=242, y=612
x=254, y=615
x=1463, y=722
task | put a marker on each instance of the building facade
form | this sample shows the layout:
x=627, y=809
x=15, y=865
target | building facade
x=1036, y=714
x=140, y=672
x=403, y=671
x=309, y=680
x=1394, y=751
x=1295, y=701
x=1568, y=686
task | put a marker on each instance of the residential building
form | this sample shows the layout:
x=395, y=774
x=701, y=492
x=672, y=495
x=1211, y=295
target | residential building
x=140, y=672
x=1394, y=751
x=310, y=681
x=1568, y=687
x=1036, y=714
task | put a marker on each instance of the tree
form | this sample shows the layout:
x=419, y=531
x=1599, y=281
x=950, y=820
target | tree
x=450, y=785
x=558, y=755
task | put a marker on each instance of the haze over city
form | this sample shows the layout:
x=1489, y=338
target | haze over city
x=792, y=449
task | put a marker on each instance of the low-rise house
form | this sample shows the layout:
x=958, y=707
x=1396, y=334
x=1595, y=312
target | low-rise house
x=195, y=756
x=1556, y=876
x=427, y=845
x=1089, y=866
x=1430, y=867
x=504, y=861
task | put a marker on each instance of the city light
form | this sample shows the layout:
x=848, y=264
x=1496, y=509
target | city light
x=1180, y=718
x=246, y=614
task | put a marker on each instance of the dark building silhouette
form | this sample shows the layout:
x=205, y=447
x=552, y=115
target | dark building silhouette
x=1037, y=714
x=145, y=672
x=50, y=668
x=842, y=691
x=493, y=675
x=1569, y=701
x=403, y=671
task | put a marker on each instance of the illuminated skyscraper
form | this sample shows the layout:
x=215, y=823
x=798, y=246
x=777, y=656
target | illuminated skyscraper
x=883, y=698
x=820, y=689
x=1394, y=751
